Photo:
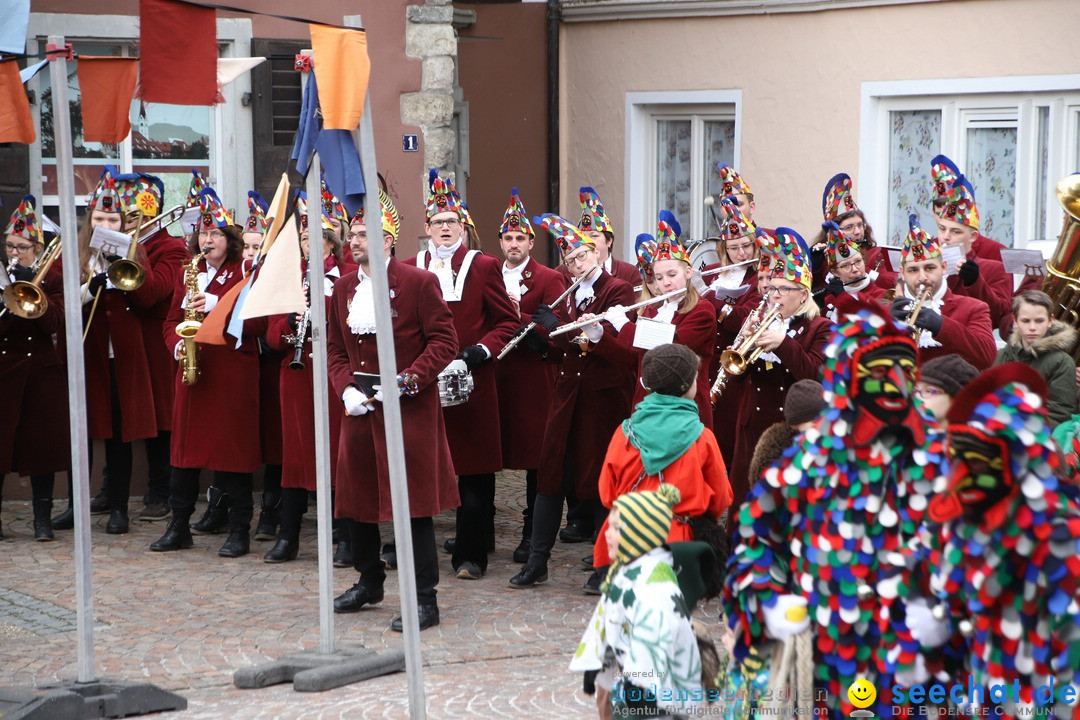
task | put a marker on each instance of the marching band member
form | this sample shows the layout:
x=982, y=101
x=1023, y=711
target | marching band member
x=847, y=269
x=791, y=349
x=123, y=409
x=732, y=185
x=425, y=342
x=591, y=397
x=983, y=279
x=34, y=437
x=693, y=320
x=999, y=561
x=943, y=174
x=335, y=214
x=484, y=318
x=597, y=225
x=821, y=526
x=255, y=227
x=838, y=206
x=297, y=403
x=525, y=378
x=950, y=323
x=940, y=379
x=215, y=420
x=645, y=249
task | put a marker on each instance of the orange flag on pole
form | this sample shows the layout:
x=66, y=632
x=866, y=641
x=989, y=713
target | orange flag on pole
x=107, y=85
x=15, y=122
x=343, y=68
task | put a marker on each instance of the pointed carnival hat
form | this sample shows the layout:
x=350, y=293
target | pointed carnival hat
x=593, y=215
x=257, y=209
x=838, y=248
x=918, y=245
x=391, y=221
x=837, y=199
x=568, y=237
x=793, y=261
x=24, y=222
x=668, y=246
x=515, y=219
x=442, y=196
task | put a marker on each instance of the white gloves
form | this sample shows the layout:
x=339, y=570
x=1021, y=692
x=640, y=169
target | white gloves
x=780, y=619
x=594, y=332
x=616, y=315
x=355, y=402
x=378, y=397
x=925, y=628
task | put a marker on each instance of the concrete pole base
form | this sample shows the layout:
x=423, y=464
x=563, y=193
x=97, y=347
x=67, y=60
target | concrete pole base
x=81, y=701
x=315, y=672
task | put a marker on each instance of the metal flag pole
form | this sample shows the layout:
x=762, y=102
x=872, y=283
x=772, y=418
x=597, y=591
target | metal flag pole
x=76, y=372
x=395, y=449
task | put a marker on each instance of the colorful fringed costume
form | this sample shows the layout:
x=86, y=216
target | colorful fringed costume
x=824, y=518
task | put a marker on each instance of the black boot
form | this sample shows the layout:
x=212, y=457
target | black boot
x=238, y=543
x=216, y=517
x=118, y=522
x=284, y=550
x=65, y=520
x=42, y=524
x=266, y=528
x=177, y=536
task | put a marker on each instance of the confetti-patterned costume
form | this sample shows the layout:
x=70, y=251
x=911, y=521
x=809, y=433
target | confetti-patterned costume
x=825, y=516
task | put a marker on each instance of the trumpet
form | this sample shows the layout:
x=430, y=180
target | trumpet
x=189, y=353
x=743, y=351
x=26, y=299
x=921, y=296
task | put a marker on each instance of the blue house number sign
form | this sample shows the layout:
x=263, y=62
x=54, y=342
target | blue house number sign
x=409, y=143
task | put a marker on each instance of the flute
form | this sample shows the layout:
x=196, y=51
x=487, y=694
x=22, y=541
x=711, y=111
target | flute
x=513, y=342
x=714, y=271
x=582, y=323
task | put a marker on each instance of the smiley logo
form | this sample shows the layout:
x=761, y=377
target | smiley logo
x=862, y=693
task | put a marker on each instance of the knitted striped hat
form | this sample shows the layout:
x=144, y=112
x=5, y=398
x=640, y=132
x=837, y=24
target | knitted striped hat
x=644, y=520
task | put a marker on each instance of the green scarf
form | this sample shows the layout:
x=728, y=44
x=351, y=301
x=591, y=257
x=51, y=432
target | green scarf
x=662, y=428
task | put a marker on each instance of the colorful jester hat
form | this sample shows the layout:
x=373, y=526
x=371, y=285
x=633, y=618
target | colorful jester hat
x=668, y=246
x=768, y=249
x=731, y=182
x=332, y=207
x=467, y=222
x=106, y=196
x=198, y=184
x=515, y=219
x=257, y=209
x=1004, y=407
x=793, y=261
x=823, y=517
x=736, y=225
x=567, y=237
x=302, y=211
x=442, y=196
x=391, y=221
x=212, y=211
x=959, y=204
x=837, y=199
x=943, y=172
x=140, y=192
x=838, y=248
x=645, y=246
x=918, y=246
x=24, y=221
x=593, y=216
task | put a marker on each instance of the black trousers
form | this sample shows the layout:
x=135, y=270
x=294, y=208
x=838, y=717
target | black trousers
x=473, y=519
x=271, y=486
x=41, y=486
x=294, y=503
x=159, y=467
x=184, y=492
x=367, y=545
x=530, y=504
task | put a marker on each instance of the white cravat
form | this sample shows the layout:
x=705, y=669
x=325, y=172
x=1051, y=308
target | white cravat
x=585, y=289
x=362, y=307
x=926, y=339
x=512, y=279
x=440, y=265
x=778, y=324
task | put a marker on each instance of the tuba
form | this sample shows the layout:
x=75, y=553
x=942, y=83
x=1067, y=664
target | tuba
x=26, y=299
x=189, y=353
x=1062, y=282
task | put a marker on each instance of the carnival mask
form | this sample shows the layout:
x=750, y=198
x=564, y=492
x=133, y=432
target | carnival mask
x=980, y=476
x=884, y=377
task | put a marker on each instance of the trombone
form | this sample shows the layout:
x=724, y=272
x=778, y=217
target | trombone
x=743, y=351
x=125, y=273
x=26, y=299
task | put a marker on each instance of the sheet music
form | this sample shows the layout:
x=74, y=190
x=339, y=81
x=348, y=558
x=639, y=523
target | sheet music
x=1023, y=262
x=649, y=333
x=110, y=242
x=953, y=255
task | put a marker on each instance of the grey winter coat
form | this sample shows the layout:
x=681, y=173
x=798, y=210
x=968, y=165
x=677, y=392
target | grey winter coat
x=1051, y=356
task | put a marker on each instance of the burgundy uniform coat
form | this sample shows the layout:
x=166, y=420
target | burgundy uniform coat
x=525, y=379
x=166, y=256
x=425, y=343
x=994, y=287
x=695, y=329
x=965, y=330
x=34, y=434
x=766, y=386
x=216, y=420
x=298, y=408
x=876, y=259
x=592, y=396
x=486, y=316
x=270, y=439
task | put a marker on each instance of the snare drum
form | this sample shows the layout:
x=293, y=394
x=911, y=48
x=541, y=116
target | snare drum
x=455, y=384
x=704, y=253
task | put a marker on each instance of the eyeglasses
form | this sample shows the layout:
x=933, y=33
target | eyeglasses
x=852, y=227
x=850, y=265
x=770, y=290
x=928, y=392
x=354, y=235
x=215, y=233
x=21, y=249
x=444, y=223
x=740, y=248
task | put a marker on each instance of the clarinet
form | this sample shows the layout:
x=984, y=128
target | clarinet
x=297, y=340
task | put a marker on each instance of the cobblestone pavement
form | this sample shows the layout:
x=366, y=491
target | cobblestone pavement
x=187, y=620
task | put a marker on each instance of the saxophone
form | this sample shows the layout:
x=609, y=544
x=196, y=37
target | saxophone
x=189, y=353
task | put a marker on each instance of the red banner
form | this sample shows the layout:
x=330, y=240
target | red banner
x=178, y=53
x=15, y=122
x=106, y=85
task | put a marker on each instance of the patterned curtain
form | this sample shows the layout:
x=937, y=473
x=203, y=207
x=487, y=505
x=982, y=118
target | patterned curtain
x=991, y=168
x=914, y=138
x=719, y=147
x=673, y=161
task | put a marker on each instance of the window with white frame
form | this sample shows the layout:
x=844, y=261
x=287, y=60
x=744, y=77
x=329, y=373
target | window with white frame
x=1012, y=145
x=674, y=143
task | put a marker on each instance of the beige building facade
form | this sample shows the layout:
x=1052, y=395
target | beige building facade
x=791, y=92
